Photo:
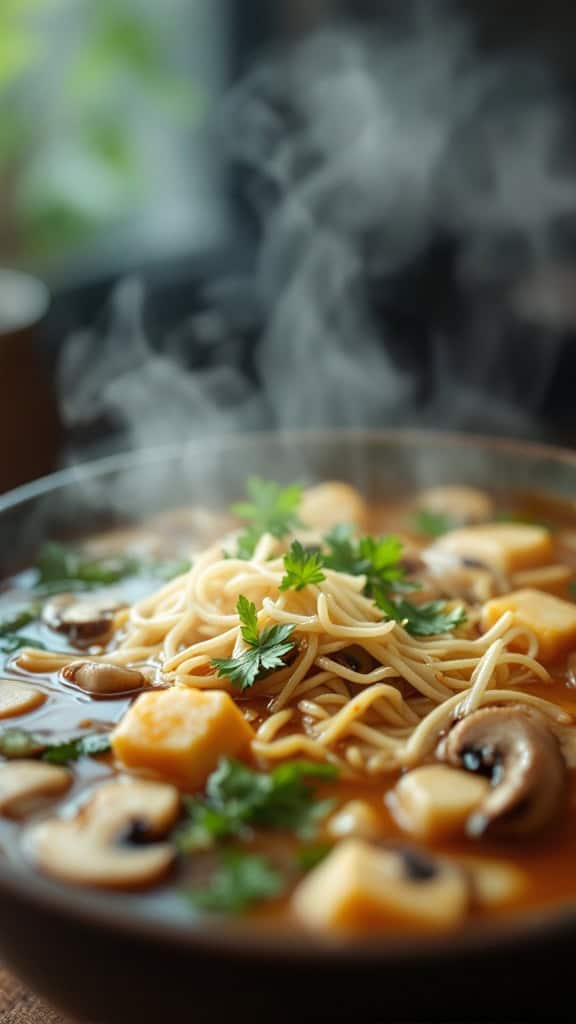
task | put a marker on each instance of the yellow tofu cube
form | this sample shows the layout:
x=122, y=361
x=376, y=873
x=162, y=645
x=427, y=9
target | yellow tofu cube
x=551, y=619
x=181, y=733
x=495, y=883
x=360, y=886
x=506, y=547
x=435, y=801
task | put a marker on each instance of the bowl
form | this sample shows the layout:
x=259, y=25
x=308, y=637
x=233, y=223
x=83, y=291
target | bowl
x=116, y=959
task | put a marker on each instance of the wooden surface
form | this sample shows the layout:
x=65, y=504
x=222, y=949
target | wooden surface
x=19, y=1006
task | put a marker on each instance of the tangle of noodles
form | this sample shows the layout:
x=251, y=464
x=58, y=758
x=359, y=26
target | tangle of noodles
x=381, y=709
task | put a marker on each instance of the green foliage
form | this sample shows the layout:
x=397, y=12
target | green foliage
x=265, y=652
x=303, y=568
x=15, y=743
x=240, y=880
x=238, y=798
x=270, y=509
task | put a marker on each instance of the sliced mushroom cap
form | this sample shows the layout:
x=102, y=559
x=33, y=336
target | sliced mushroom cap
x=103, y=680
x=82, y=619
x=516, y=750
x=95, y=847
x=25, y=784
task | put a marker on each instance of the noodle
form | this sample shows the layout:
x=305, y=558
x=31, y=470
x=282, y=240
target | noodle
x=321, y=705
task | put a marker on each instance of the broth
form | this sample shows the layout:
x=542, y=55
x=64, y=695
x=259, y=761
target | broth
x=544, y=861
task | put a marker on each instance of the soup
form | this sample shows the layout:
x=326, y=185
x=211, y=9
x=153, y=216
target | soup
x=321, y=714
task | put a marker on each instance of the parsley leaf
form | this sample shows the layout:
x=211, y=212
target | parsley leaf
x=308, y=857
x=83, y=746
x=11, y=642
x=432, y=524
x=238, y=798
x=18, y=742
x=265, y=652
x=61, y=568
x=270, y=509
x=10, y=639
x=376, y=558
x=379, y=560
x=240, y=880
x=422, y=620
x=302, y=567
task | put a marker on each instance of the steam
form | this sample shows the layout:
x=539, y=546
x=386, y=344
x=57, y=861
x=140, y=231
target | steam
x=359, y=151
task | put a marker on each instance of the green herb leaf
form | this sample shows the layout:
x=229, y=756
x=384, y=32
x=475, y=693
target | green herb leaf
x=432, y=524
x=427, y=619
x=270, y=509
x=20, y=619
x=23, y=743
x=83, y=746
x=240, y=880
x=238, y=798
x=309, y=857
x=303, y=568
x=11, y=642
x=61, y=568
x=376, y=558
x=572, y=589
x=10, y=639
x=265, y=652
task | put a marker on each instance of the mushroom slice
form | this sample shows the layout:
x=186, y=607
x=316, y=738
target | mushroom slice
x=95, y=847
x=103, y=680
x=82, y=619
x=18, y=698
x=516, y=750
x=25, y=784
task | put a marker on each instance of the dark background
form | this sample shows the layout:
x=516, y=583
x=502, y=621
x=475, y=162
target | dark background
x=208, y=280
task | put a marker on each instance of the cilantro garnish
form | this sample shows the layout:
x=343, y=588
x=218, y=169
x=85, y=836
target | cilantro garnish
x=238, y=798
x=240, y=880
x=270, y=509
x=10, y=639
x=309, y=857
x=376, y=558
x=17, y=742
x=61, y=568
x=422, y=620
x=432, y=524
x=83, y=746
x=302, y=567
x=379, y=560
x=11, y=642
x=265, y=652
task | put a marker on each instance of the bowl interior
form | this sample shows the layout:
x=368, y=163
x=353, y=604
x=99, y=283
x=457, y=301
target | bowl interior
x=133, y=486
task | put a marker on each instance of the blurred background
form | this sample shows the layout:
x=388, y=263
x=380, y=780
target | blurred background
x=203, y=188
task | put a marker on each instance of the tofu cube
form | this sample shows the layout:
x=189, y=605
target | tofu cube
x=506, y=547
x=551, y=619
x=435, y=801
x=359, y=886
x=495, y=883
x=181, y=733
